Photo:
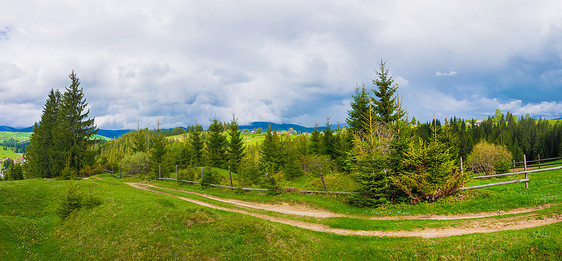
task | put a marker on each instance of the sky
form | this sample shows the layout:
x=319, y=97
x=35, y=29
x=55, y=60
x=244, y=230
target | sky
x=181, y=62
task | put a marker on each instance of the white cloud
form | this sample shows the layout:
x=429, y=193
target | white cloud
x=450, y=73
x=278, y=61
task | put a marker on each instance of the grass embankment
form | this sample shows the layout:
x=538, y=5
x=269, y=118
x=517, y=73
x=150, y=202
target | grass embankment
x=136, y=224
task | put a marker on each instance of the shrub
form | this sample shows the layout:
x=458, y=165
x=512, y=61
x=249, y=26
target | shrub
x=74, y=200
x=210, y=176
x=486, y=157
x=136, y=164
x=14, y=172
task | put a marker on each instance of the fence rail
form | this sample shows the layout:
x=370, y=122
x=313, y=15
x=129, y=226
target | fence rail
x=525, y=172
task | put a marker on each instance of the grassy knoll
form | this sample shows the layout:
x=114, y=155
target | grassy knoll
x=135, y=224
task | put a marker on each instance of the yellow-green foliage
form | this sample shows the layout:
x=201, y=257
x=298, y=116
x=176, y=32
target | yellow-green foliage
x=486, y=157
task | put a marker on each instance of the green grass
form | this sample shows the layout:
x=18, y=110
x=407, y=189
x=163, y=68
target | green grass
x=9, y=153
x=544, y=188
x=18, y=136
x=136, y=224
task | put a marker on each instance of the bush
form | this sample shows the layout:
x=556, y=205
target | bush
x=74, y=200
x=14, y=172
x=487, y=158
x=191, y=173
x=210, y=176
x=136, y=164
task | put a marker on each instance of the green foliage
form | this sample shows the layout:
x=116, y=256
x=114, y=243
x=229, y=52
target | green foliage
x=14, y=172
x=196, y=145
x=271, y=149
x=74, y=200
x=315, y=142
x=216, y=144
x=486, y=157
x=210, y=176
x=385, y=96
x=157, y=152
x=63, y=136
x=360, y=107
x=136, y=164
x=428, y=172
x=235, y=146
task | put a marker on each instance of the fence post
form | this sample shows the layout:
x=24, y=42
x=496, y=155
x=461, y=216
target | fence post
x=525, y=169
x=177, y=175
x=159, y=171
x=202, y=173
x=230, y=175
x=539, y=161
x=513, y=166
x=323, y=182
x=119, y=172
x=462, y=169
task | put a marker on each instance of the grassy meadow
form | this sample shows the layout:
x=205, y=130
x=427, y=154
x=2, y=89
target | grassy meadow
x=135, y=224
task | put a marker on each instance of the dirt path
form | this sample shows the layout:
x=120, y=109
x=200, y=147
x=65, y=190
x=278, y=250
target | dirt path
x=476, y=226
x=302, y=210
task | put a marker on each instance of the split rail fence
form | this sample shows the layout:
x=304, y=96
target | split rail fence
x=537, y=163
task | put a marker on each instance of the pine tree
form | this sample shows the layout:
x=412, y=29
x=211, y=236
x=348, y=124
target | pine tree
x=328, y=141
x=158, y=151
x=385, y=96
x=315, y=143
x=270, y=152
x=38, y=153
x=359, y=110
x=196, y=145
x=216, y=144
x=74, y=131
x=235, y=146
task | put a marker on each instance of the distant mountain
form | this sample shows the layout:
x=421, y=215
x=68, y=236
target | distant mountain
x=113, y=134
x=11, y=129
x=282, y=127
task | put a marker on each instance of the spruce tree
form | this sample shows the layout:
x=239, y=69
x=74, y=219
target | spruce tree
x=359, y=110
x=216, y=144
x=196, y=145
x=328, y=141
x=38, y=154
x=235, y=146
x=385, y=96
x=269, y=152
x=315, y=143
x=74, y=131
x=158, y=151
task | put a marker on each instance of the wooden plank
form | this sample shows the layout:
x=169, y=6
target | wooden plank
x=517, y=173
x=496, y=184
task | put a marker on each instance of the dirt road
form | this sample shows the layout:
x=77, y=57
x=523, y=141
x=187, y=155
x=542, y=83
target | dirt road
x=471, y=226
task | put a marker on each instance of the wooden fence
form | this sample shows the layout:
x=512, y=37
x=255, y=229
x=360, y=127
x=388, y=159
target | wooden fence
x=524, y=172
x=257, y=189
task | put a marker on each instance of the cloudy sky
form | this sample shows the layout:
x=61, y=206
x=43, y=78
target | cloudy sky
x=278, y=61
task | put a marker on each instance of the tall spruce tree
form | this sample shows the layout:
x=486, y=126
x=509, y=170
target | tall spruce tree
x=216, y=144
x=315, y=142
x=385, y=96
x=38, y=153
x=235, y=146
x=158, y=151
x=196, y=145
x=62, y=138
x=359, y=110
